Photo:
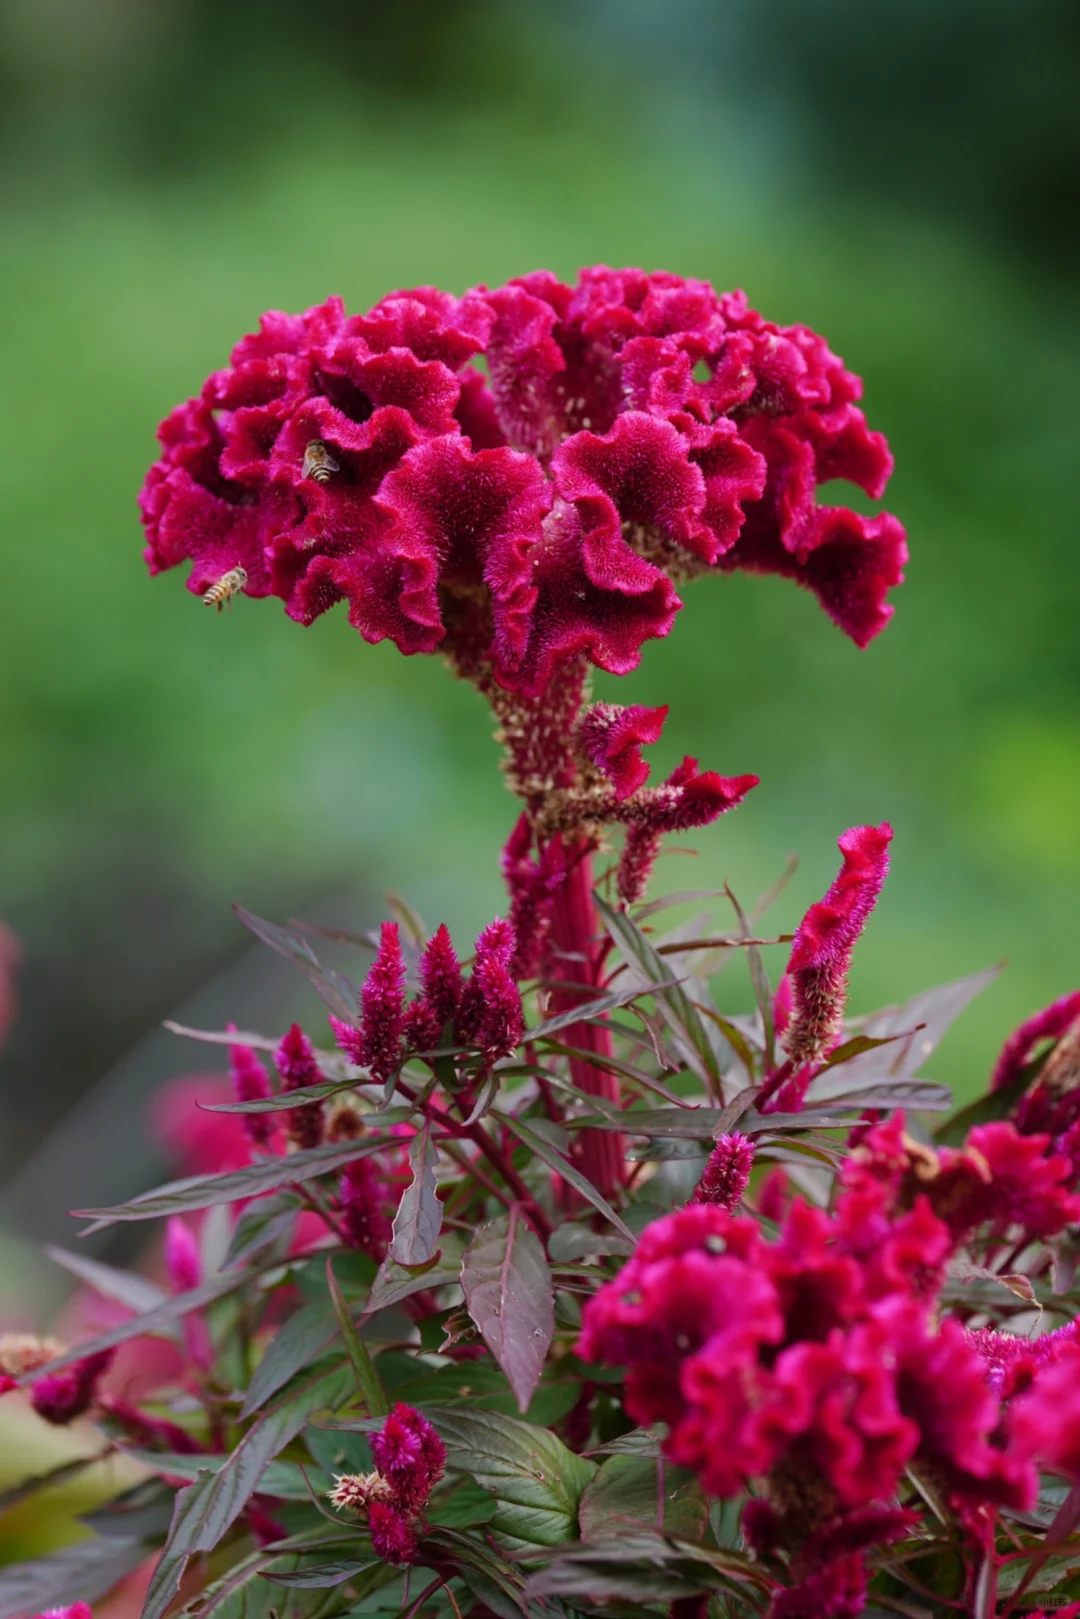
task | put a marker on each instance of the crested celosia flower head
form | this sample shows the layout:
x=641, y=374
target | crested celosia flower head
x=1021, y=1046
x=612, y=738
x=546, y=510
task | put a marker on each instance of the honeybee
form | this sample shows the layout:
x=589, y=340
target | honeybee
x=318, y=462
x=224, y=589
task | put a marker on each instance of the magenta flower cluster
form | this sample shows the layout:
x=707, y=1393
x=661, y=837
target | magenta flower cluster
x=815, y=1366
x=409, y=1460
x=624, y=433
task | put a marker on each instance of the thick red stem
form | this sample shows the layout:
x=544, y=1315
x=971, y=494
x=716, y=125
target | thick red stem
x=577, y=959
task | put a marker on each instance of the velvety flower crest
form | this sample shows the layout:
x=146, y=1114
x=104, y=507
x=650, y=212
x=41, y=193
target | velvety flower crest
x=298, y=1067
x=630, y=431
x=410, y=1459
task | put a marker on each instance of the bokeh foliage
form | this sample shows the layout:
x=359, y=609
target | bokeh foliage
x=171, y=170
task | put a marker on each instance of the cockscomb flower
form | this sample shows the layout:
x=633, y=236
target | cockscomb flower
x=727, y=1173
x=250, y=1084
x=298, y=1067
x=1044, y=1422
x=377, y=1043
x=824, y=942
x=541, y=512
x=367, y=1201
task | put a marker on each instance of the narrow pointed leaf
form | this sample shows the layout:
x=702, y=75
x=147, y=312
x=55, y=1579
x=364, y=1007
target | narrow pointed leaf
x=334, y=988
x=674, y=1005
x=640, y=1492
x=601, y=1004
x=419, y=1215
x=79, y=1573
x=124, y=1286
x=368, y=1380
x=563, y=1166
x=394, y=1283
x=206, y=1191
x=508, y=1293
x=297, y=1344
x=320, y=1577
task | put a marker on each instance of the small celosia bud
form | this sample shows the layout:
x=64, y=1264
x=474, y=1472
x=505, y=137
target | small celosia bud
x=532, y=886
x=343, y=1119
x=183, y=1260
x=826, y=937
x=491, y=1015
x=298, y=1067
x=612, y=737
x=382, y=1008
x=440, y=975
x=60, y=1397
x=393, y=1537
x=727, y=1173
x=365, y=1221
x=1020, y=1048
x=250, y=1084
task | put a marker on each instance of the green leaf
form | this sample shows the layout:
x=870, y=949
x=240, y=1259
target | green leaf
x=627, y=1489
x=673, y=1003
x=536, y=1481
x=759, y=980
x=571, y=1241
x=641, y=1567
x=207, y=1191
x=267, y=1221
x=395, y=1283
x=984, y=1110
x=334, y=988
x=462, y=1507
x=368, y=1380
x=608, y=1002
x=298, y=1342
x=127, y=1288
x=79, y=1573
x=508, y=1293
x=418, y=1220
x=283, y=1101
x=207, y=1509
x=563, y=1166
x=320, y=1576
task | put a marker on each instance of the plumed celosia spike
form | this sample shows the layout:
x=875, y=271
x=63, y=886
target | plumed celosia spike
x=532, y=885
x=826, y=936
x=298, y=1067
x=612, y=737
x=61, y=1397
x=366, y=1205
x=183, y=1261
x=382, y=1007
x=440, y=975
x=727, y=1173
x=393, y=1537
x=251, y=1084
x=409, y=1453
x=491, y=1014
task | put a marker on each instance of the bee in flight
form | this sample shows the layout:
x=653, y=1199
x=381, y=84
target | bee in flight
x=318, y=462
x=224, y=589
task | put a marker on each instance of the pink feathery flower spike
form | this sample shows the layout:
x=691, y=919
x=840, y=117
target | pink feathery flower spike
x=826, y=937
x=183, y=1260
x=1049, y=1024
x=250, y=1084
x=727, y=1173
x=298, y=1067
x=440, y=976
x=382, y=1008
x=409, y=1453
x=491, y=1014
x=77, y=1610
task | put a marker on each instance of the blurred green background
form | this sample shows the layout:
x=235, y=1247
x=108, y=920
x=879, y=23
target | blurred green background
x=900, y=174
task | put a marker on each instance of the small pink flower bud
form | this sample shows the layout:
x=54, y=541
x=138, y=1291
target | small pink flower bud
x=727, y=1173
x=250, y=1084
x=298, y=1067
x=382, y=1008
x=183, y=1260
x=62, y=1396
